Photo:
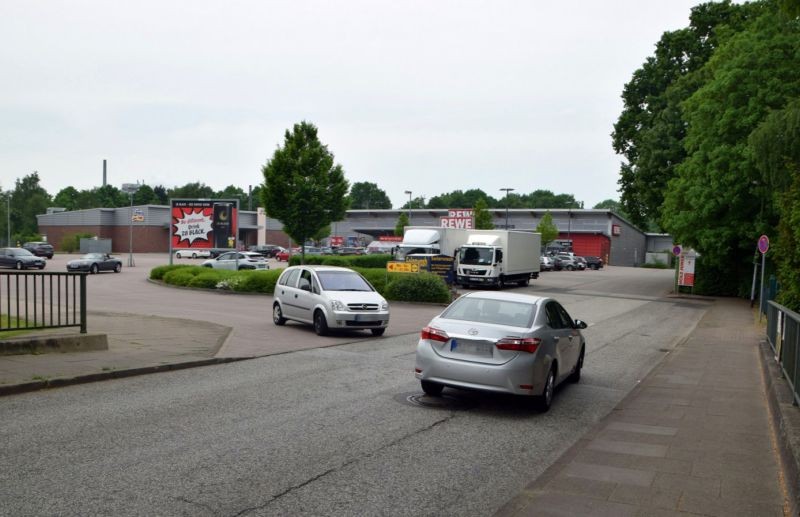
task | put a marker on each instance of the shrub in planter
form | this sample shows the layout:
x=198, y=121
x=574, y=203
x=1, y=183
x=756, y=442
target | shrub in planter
x=370, y=261
x=209, y=278
x=158, y=272
x=421, y=287
x=258, y=281
x=182, y=276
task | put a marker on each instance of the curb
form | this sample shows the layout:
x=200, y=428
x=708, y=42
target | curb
x=785, y=420
x=26, y=387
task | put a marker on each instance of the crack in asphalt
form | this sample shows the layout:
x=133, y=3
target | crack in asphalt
x=344, y=465
x=195, y=503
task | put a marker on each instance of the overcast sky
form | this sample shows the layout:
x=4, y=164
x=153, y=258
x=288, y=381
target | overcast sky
x=428, y=96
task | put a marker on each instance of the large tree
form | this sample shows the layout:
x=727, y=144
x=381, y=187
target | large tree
x=194, y=190
x=483, y=219
x=28, y=200
x=365, y=195
x=716, y=202
x=547, y=228
x=650, y=130
x=303, y=187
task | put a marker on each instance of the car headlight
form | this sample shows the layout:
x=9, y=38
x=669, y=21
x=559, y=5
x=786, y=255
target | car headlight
x=337, y=305
x=384, y=305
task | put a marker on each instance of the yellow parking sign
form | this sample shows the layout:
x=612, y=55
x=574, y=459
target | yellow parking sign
x=402, y=267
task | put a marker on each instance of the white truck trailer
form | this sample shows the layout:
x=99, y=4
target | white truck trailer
x=498, y=257
x=430, y=240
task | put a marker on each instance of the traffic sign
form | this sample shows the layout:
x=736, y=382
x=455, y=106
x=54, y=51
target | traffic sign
x=763, y=244
x=676, y=250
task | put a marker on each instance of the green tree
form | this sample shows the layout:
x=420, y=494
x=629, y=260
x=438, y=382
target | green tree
x=232, y=192
x=715, y=203
x=67, y=198
x=28, y=200
x=777, y=157
x=145, y=196
x=161, y=194
x=402, y=222
x=194, y=190
x=483, y=219
x=303, y=188
x=547, y=228
x=650, y=130
x=364, y=195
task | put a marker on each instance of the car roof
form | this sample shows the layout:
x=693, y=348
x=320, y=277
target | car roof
x=320, y=267
x=506, y=296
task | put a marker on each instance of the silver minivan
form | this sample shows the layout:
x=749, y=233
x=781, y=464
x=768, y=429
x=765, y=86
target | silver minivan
x=329, y=297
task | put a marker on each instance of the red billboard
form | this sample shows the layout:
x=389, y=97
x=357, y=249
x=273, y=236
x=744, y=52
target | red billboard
x=204, y=223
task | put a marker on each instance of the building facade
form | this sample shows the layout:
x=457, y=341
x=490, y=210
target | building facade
x=145, y=229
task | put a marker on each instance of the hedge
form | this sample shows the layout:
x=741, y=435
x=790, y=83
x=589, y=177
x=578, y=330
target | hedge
x=422, y=287
x=351, y=261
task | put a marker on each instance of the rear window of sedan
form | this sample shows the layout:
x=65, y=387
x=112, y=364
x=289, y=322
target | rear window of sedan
x=495, y=312
x=343, y=281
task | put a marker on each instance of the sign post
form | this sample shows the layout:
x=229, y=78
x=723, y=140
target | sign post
x=763, y=247
x=676, y=252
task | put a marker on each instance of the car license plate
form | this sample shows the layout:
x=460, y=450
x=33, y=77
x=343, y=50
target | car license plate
x=471, y=347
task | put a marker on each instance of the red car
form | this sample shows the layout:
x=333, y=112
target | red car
x=282, y=256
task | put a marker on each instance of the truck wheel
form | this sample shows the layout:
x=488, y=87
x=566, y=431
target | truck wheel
x=524, y=283
x=501, y=283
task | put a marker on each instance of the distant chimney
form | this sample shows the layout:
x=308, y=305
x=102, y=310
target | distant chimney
x=104, y=173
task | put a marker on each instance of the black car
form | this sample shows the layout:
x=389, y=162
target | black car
x=20, y=258
x=39, y=248
x=266, y=250
x=594, y=262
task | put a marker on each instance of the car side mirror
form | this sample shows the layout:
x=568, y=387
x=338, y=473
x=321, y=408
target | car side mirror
x=305, y=287
x=580, y=324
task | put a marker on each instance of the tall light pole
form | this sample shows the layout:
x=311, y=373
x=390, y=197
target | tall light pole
x=507, y=190
x=8, y=219
x=409, y=206
x=130, y=189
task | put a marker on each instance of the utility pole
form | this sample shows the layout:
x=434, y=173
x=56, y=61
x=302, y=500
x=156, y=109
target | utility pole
x=507, y=190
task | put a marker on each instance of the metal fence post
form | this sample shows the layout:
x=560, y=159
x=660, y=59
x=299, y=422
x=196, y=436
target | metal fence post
x=83, y=304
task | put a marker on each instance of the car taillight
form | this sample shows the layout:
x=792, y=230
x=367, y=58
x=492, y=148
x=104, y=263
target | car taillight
x=434, y=334
x=527, y=344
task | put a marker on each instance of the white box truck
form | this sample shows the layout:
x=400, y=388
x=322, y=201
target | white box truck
x=430, y=240
x=498, y=257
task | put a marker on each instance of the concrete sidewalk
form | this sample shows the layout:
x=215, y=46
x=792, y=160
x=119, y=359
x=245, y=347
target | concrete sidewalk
x=137, y=344
x=696, y=437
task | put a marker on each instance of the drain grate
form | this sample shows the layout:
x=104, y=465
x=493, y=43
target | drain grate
x=444, y=401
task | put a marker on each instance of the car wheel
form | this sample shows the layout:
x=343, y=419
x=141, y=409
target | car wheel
x=570, y=268
x=576, y=374
x=178, y=255
x=378, y=332
x=94, y=269
x=431, y=388
x=207, y=265
x=320, y=323
x=194, y=255
x=117, y=267
x=18, y=265
x=545, y=400
x=277, y=315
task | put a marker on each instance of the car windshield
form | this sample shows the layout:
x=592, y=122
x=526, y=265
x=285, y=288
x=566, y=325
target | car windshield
x=496, y=312
x=22, y=253
x=93, y=256
x=342, y=281
x=475, y=256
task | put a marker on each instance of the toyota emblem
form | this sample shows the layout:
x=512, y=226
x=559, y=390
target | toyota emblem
x=472, y=332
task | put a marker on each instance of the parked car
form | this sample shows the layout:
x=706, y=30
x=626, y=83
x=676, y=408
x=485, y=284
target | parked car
x=265, y=250
x=501, y=342
x=193, y=253
x=237, y=260
x=39, y=248
x=94, y=263
x=351, y=251
x=328, y=298
x=20, y=258
x=564, y=261
x=580, y=262
x=545, y=263
x=594, y=262
x=282, y=256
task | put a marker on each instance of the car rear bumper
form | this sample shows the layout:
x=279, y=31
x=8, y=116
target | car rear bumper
x=501, y=378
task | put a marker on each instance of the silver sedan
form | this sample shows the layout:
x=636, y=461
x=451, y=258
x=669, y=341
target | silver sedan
x=501, y=342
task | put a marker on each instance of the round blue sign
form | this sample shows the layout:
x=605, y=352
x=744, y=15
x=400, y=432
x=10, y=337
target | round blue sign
x=676, y=250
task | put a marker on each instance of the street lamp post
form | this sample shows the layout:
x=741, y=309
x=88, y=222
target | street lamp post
x=130, y=189
x=8, y=219
x=409, y=206
x=507, y=190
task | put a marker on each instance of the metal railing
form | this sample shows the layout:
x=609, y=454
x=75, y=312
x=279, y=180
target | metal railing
x=30, y=301
x=783, y=334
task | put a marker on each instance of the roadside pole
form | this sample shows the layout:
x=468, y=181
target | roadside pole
x=755, y=273
x=763, y=247
x=676, y=252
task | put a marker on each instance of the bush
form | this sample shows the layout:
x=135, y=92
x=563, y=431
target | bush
x=351, y=261
x=182, y=276
x=370, y=261
x=257, y=281
x=72, y=242
x=421, y=287
x=209, y=278
x=157, y=273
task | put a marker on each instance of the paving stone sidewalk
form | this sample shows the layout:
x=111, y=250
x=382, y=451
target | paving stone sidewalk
x=694, y=438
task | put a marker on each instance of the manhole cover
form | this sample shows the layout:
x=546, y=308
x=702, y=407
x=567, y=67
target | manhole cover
x=444, y=401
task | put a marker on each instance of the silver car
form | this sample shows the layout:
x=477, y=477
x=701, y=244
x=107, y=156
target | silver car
x=329, y=297
x=238, y=260
x=501, y=342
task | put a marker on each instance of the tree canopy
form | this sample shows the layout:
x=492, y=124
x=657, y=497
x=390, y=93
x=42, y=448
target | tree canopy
x=365, y=195
x=303, y=188
x=483, y=219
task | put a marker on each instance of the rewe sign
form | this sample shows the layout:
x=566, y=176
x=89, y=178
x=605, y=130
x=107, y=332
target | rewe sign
x=463, y=218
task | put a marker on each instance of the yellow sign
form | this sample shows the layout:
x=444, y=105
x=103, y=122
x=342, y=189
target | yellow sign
x=402, y=267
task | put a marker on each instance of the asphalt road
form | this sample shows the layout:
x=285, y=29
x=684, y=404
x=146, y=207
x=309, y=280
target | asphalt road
x=341, y=430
